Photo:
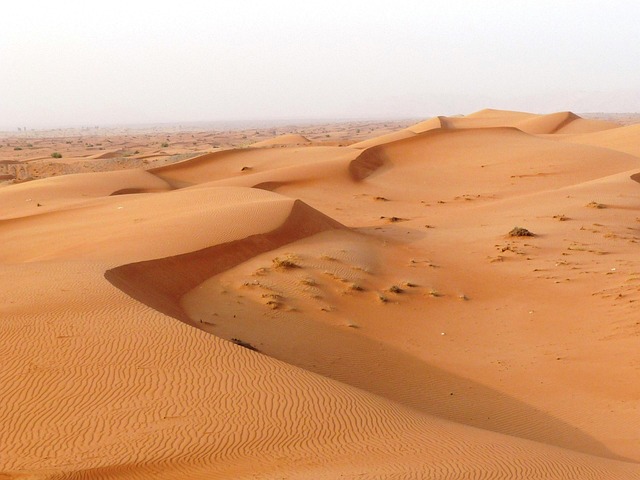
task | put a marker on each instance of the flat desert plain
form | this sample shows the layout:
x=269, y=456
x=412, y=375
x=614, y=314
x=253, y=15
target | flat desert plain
x=450, y=298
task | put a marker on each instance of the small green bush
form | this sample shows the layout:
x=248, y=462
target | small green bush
x=56, y=155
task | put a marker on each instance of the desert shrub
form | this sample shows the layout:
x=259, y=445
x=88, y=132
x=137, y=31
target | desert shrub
x=520, y=232
x=56, y=155
x=596, y=205
x=284, y=263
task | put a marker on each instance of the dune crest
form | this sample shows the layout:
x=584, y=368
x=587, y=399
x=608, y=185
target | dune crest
x=286, y=140
x=161, y=283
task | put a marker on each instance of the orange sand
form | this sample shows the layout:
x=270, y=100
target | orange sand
x=317, y=308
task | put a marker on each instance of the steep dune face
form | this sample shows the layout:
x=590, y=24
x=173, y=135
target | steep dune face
x=444, y=163
x=560, y=122
x=161, y=283
x=359, y=312
x=252, y=163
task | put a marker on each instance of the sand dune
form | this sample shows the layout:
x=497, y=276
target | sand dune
x=52, y=193
x=317, y=311
x=283, y=140
x=237, y=164
x=561, y=122
x=162, y=283
x=121, y=228
x=108, y=154
x=623, y=139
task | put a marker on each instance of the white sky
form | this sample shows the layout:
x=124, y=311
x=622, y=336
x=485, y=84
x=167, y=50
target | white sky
x=89, y=62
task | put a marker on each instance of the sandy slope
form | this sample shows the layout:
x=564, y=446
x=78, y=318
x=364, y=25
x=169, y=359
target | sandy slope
x=624, y=139
x=400, y=332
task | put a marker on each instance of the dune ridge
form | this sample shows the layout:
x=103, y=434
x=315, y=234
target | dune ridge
x=165, y=281
x=283, y=140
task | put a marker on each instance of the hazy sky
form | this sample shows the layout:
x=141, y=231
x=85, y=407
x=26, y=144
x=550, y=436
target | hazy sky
x=89, y=62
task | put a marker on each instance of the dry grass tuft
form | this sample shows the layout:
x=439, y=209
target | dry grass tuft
x=520, y=232
x=382, y=298
x=596, y=205
x=287, y=263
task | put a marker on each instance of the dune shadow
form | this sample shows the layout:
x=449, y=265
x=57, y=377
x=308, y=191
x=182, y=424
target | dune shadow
x=348, y=356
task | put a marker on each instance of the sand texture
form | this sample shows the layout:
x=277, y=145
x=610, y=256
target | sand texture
x=335, y=301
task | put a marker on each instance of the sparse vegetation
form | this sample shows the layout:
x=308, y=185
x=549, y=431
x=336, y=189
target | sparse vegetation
x=284, y=263
x=310, y=282
x=395, y=289
x=520, y=232
x=394, y=219
x=17, y=148
x=596, y=205
x=273, y=304
x=164, y=145
x=56, y=155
